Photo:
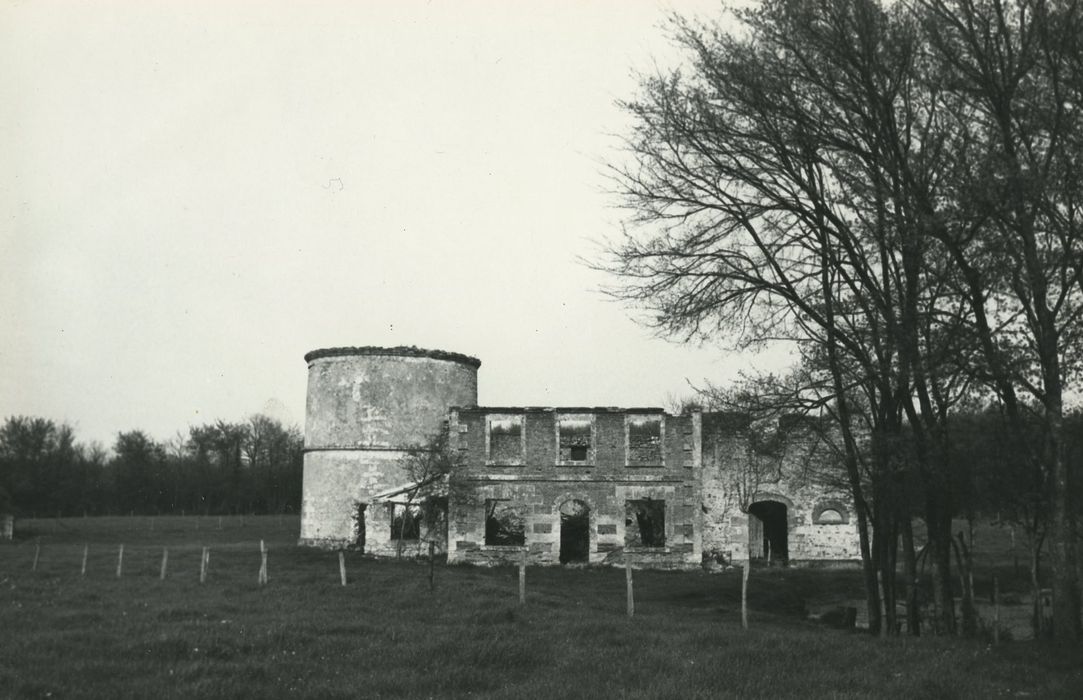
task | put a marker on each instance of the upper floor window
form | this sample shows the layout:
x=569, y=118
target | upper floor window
x=504, y=439
x=643, y=440
x=575, y=439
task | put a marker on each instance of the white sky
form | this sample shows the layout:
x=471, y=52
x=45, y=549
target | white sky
x=195, y=194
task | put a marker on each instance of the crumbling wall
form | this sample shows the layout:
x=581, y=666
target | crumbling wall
x=541, y=481
x=726, y=530
x=334, y=482
x=365, y=407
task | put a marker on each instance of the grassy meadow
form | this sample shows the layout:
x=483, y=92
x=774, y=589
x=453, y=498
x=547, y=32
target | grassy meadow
x=386, y=634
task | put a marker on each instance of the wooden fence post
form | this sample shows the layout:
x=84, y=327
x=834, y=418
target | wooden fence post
x=120, y=560
x=203, y=566
x=996, y=610
x=744, y=593
x=86, y=549
x=522, y=580
x=631, y=604
x=1015, y=555
x=432, y=566
x=262, y=563
x=37, y=553
x=165, y=563
x=342, y=566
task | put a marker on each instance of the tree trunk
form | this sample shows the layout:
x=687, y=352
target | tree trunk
x=939, y=534
x=1038, y=622
x=962, y=554
x=1066, y=624
x=910, y=561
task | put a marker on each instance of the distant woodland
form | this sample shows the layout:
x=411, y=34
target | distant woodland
x=252, y=466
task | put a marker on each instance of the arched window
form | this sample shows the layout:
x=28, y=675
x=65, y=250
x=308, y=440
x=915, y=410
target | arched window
x=830, y=513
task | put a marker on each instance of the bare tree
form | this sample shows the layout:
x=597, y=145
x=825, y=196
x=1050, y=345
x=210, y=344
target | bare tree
x=429, y=469
x=771, y=200
x=1013, y=70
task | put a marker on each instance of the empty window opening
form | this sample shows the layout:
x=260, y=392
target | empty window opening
x=830, y=513
x=574, y=532
x=505, y=439
x=768, y=536
x=644, y=440
x=575, y=436
x=405, y=521
x=830, y=516
x=645, y=523
x=504, y=523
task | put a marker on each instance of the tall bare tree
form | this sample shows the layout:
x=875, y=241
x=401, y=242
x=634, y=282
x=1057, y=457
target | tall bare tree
x=1013, y=72
x=767, y=189
x=821, y=175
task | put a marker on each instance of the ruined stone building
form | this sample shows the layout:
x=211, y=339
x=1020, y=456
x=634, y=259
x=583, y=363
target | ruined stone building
x=557, y=485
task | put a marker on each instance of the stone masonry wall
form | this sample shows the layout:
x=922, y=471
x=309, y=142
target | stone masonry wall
x=334, y=483
x=541, y=483
x=365, y=407
x=376, y=401
x=726, y=529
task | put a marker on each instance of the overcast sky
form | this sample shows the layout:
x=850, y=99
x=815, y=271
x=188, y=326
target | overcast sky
x=196, y=194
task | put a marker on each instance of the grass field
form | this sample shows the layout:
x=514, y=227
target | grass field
x=386, y=635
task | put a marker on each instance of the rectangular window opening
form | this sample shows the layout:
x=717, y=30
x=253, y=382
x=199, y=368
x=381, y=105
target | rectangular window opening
x=645, y=523
x=405, y=521
x=644, y=440
x=505, y=524
x=575, y=437
x=505, y=439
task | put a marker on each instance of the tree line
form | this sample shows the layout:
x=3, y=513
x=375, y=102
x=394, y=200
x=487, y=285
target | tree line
x=252, y=466
x=897, y=189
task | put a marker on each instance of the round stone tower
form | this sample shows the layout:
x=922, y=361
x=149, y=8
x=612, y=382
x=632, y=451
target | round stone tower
x=366, y=406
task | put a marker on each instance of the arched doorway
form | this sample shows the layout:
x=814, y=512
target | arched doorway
x=768, y=532
x=574, y=531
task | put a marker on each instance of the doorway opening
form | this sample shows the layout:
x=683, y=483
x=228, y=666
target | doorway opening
x=574, y=532
x=768, y=533
x=359, y=526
